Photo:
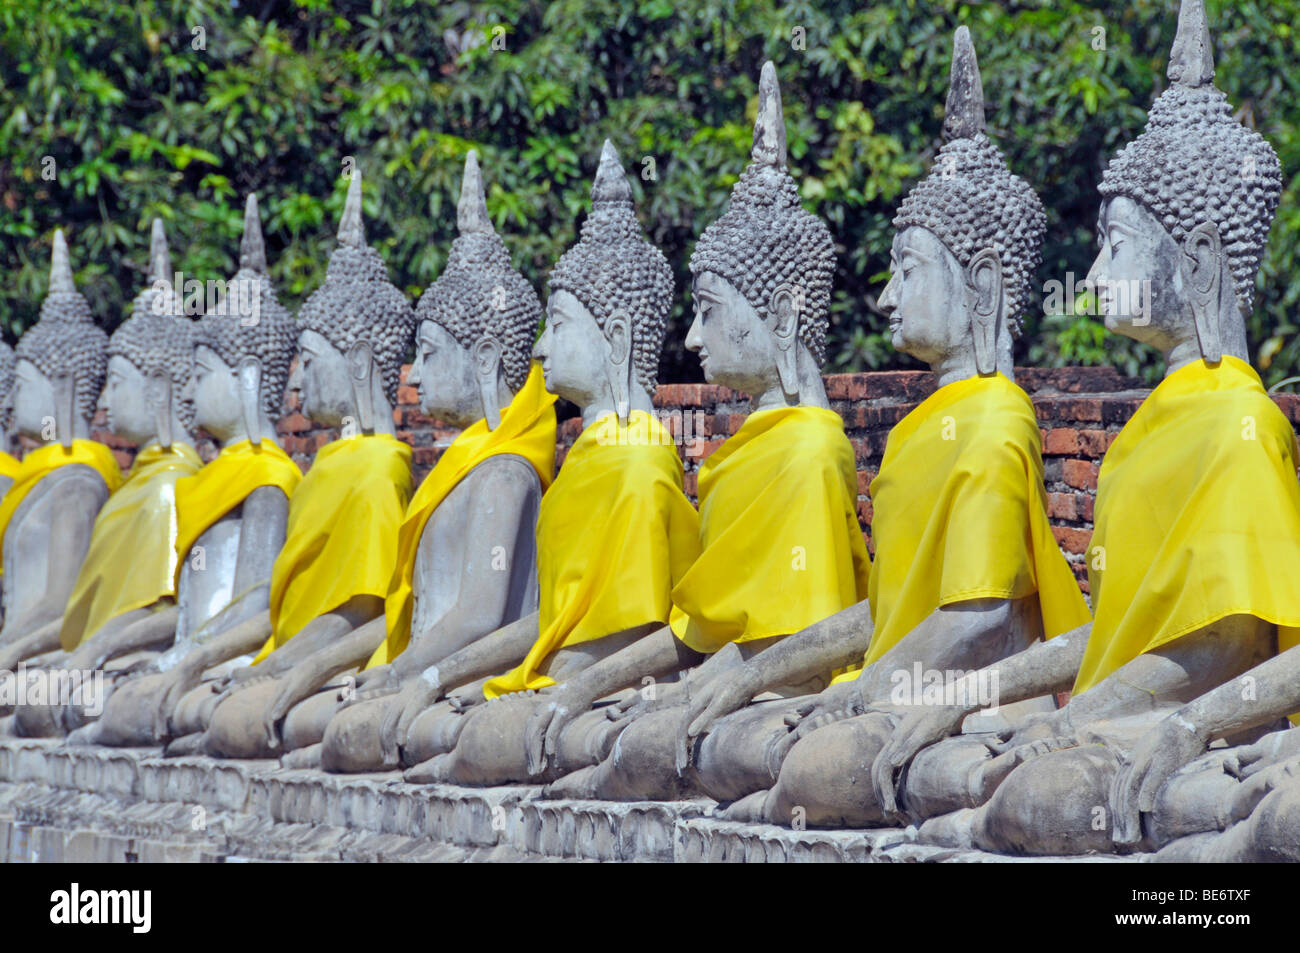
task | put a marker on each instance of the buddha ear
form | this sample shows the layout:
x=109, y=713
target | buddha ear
x=65, y=407
x=361, y=371
x=486, y=355
x=618, y=331
x=786, y=306
x=985, y=275
x=249, y=375
x=158, y=388
x=1201, y=262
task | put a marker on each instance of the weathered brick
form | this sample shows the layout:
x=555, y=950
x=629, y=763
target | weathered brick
x=1072, y=540
x=1061, y=506
x=1083, y=504
x=1081, y=474
x=1093, y=443
x=1061, y=442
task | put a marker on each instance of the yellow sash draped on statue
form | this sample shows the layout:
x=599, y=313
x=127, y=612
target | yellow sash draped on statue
x=38, y=463
x=1198, y=518
x=224, y=484
x=131, y=562
x=781, y=545
x=527, y=429
x=614, y=535
x=341, y=539
x=960, y=513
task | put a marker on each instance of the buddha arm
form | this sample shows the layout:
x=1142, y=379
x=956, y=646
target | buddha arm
x=151, y=630
x=71, y=525
x=310, y=675
x=321, y=633
x=45, y=639
x=482, y=602
x=263, y=517
x=1228, y=709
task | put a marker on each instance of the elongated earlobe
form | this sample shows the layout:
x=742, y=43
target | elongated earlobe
x=487, y=369
x=159, y=388
x=249, y=374
x=65, y=407
x=985, y=275
x=618, y=331
x=785, y=305
x=1201, y=258
x=361, y=370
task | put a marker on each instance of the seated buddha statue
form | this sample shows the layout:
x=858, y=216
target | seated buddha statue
x=466, y=552
x=231, y=515
x=47, y=515
x=331, y=575
x=966, y=568
x=127, y=575
x=780, y=545
x=614, y=532
x=1197, y=514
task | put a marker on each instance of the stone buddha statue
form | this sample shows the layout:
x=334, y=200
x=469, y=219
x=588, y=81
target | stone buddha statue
x=332, y=573
x=614, y=532
x=966, y=570
x=1198, y=511
x=231, y=515
x=49, y=510
x=780, y=545
x=467, y=558
x=127, y=578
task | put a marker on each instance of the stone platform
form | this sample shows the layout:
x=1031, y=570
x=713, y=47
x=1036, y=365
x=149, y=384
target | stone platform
x=70, y=804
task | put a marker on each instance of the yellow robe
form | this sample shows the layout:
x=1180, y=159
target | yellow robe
x=1198, y=518
x=614, y=534
x=224, y=484
x=780, y=543
x=38, y=463
x=342, y=532
x=960, y=513
x=527, y=429
x=131, y=562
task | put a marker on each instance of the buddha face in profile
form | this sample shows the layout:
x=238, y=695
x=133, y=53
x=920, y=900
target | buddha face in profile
x=574, y=352
x=930, y=296
x=214, y=389
x=126, y=402
x=31, y=402
x=443, y=372
x=322, y=379
x=736, y=346
x=1143, y=278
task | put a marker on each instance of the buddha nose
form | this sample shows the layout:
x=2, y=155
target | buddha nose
x=295, y=376
x=541, y=350
x=694, y=336
x=413, y=375
x=889, y=297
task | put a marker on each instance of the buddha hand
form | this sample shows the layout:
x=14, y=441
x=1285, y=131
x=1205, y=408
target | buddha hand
x=1164, y=749
x=918, y=729
x=418, y=695
x=547, y=723
x=836, y=703
x=716, y=699
x=178, y=681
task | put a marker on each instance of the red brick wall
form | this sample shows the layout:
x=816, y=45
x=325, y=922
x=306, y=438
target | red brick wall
x=1080, y=410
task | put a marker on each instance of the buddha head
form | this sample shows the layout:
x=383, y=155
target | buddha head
x=150, y=360
x=60, y=362
x=967, y=242
x=762, y=273
x=476, y=323
x=354, y=331
x=608, y=306
x=1186, y=209
x=242, y=353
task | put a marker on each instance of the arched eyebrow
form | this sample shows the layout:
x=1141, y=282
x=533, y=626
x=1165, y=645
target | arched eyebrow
x=709, y=296
x=914, y=252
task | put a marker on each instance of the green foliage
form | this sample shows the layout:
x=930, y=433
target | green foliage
x=143, y=115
